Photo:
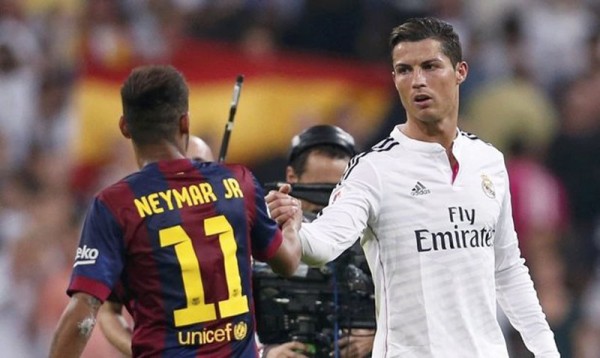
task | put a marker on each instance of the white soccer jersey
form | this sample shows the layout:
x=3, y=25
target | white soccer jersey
x=441, y=252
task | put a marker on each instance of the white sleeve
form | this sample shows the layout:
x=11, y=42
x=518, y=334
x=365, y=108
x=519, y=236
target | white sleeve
x=343, y=221
x=515, y=291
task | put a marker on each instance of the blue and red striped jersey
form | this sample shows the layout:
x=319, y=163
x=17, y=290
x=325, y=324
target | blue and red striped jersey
x=179, y=236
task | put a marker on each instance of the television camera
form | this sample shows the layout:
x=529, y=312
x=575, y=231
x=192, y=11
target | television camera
x=315, y=304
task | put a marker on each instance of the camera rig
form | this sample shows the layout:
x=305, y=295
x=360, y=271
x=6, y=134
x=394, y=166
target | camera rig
x=316, y=193
x=315, y=304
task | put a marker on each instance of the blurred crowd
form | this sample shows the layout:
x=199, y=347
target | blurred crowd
x=533, y=81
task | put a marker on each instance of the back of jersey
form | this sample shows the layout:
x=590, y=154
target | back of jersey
x=179, y=235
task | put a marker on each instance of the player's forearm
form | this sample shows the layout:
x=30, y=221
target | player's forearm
x=75, y=326
x=337, y=229
x=115, y=327
x=321, y=245
x=121, y=339
x=518, y=299
x=287, y=258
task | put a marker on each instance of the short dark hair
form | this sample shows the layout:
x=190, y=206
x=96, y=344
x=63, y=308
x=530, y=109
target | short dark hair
x=154, y=98
x=328, y=150
x=422, y=28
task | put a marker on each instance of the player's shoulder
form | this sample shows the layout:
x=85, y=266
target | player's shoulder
x=368, y=160
x=237, y=167
x=238, y=170
x=379, y=151
x=219, y=169
x=119, y=189
x=383, y=147
x=478, y=145
x=243, y=175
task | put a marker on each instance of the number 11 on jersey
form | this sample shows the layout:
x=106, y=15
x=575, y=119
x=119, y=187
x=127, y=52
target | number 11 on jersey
x=197, y=310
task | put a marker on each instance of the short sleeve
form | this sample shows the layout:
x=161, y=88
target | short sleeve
x=264, y=233
x=99, y=258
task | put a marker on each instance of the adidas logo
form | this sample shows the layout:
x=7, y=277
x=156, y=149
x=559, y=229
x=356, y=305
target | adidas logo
x=419, y=189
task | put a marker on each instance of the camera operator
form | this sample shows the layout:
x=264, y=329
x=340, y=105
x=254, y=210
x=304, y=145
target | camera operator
x=317, y=159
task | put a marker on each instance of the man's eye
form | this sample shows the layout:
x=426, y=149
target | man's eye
x=432, y=66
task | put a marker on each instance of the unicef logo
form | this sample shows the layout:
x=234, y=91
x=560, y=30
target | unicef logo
x=240, y=330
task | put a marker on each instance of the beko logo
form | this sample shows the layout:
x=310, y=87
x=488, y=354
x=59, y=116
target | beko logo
x=85, y=256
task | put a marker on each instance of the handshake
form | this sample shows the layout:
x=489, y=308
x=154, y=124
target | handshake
x=285, y=209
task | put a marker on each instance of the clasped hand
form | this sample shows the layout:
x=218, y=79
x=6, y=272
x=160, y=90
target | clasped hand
x=284, y=209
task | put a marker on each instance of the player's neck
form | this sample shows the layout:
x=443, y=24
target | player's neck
x=442, y=132
x=157, y=152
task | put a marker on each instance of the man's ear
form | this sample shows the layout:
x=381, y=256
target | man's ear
x=184, y=124
x=123, y=127
x=394, y=79
x=462, y=69
x=290, y=175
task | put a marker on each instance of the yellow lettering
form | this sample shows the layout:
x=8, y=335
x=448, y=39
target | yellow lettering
x=228, y=193
x=154, y=203
x=210, y=336
x=187, y=196
x=219, y=335
x=207, y=192
x=142, y=206
x=180, y=337
x=232, y=188
x=182, y=198
x=196, y=195
x=166, y=195
x=228, y=330
x=207, y=336
x=196, y=338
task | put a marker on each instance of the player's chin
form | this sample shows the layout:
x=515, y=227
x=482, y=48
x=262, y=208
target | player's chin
x=426, y=114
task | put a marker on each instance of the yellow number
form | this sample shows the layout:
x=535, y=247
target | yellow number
x=197, y=310
x=236, y=303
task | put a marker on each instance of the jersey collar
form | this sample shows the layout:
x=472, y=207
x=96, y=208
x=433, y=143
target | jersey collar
x=424, y=147
x=171, y=166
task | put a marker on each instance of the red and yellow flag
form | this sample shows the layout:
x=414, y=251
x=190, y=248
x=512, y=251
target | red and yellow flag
x=281, y=95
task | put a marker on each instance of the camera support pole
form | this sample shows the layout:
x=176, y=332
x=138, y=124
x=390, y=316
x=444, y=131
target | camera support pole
x=237, y=89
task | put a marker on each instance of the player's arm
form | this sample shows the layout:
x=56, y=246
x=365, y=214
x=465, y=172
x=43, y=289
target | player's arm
x=353, y=203
x=75, y=326
x=516, y=293
x=288, y=215
x=115, y=327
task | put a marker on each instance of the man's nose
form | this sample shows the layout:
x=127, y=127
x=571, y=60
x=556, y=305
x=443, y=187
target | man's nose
x=418, y=78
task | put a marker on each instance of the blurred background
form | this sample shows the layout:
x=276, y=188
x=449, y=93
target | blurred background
x=532, y=91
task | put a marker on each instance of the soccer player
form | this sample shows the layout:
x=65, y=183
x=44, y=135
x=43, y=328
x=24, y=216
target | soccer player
x=432, y=204
x=319, y=155
x=178, y=234
x=110, y=317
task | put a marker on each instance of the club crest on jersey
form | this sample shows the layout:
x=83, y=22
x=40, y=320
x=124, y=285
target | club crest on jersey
x=240, y=330
x=488, y=186
x=85, y=256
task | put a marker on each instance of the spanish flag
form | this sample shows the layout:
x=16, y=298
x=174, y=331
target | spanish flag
x=282, y=94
